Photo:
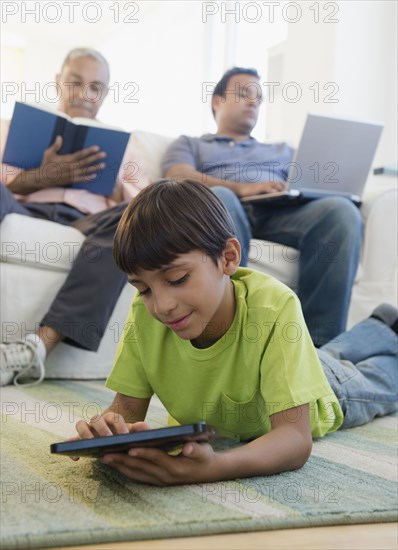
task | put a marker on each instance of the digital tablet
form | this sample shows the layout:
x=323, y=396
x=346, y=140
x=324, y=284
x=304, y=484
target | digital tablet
x=162, y=438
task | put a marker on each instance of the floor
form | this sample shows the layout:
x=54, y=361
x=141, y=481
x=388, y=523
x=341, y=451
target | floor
x=379, y=536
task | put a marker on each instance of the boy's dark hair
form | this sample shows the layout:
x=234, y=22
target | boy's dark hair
x=169, y=218
x=221, y=86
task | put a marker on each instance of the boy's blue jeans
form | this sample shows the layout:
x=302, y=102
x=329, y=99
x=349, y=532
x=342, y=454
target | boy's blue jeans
x=361, y=366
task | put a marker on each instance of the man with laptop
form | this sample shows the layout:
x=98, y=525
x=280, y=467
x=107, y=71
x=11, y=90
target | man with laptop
x=327, y=232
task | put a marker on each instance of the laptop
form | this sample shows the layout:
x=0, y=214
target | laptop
x=333, y=158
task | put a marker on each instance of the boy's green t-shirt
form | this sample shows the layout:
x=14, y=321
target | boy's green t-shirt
x=265, y=363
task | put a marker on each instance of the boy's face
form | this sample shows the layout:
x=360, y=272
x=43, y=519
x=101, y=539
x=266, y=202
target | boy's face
x=192, y=296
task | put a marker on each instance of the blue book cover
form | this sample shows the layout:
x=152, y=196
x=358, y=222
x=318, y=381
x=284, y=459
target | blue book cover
x=33, y=129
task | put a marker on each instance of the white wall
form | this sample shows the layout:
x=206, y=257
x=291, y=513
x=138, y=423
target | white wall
x=177, y=52
x=160, y=62
x=171, y=50
x=366, y=68
x=308, y=65
x=355, y=58
x=43, y=33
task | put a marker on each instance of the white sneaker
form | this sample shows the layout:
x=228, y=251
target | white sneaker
x=18, y=359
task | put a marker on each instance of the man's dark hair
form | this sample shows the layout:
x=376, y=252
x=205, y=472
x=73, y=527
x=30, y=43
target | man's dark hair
x=169, y=218
x=221, y=86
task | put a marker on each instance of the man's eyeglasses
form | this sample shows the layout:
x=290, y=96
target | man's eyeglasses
x=251, y=93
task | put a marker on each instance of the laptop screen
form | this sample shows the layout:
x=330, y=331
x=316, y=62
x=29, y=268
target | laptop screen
x=334, y=155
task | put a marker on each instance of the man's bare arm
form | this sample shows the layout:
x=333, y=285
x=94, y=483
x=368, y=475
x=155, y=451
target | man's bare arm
x=59, y=170
x=182, y=171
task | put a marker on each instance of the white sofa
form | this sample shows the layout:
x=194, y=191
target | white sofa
x=36, y=256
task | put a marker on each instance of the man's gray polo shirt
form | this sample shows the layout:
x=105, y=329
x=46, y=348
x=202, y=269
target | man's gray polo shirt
x=247, y=161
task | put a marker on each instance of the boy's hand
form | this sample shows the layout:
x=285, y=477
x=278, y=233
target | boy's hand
x=148, y=465
x=109, y=423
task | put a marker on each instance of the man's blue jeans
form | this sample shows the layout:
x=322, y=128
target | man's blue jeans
x=362, y=367
x=328, y=234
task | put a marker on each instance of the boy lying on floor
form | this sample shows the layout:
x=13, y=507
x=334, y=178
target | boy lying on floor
x=228, y=345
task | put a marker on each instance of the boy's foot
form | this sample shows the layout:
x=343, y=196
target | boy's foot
x=387, y=314
x=18, y=359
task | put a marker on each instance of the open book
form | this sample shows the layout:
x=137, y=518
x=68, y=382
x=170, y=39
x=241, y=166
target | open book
x=33, y=129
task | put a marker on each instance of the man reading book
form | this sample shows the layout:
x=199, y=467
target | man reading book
x=47, y=193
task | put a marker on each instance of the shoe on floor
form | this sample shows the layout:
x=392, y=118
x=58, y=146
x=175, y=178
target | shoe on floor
x=18, y=360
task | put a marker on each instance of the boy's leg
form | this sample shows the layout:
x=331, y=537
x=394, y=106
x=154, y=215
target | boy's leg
x=361, y=366
x=366, y=339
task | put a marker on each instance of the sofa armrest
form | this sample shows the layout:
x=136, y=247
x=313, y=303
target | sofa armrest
x=380, y=243
x=379, y=254
x=39, y=243
x=377, y=275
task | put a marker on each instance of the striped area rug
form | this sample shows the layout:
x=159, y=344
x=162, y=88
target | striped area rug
x=51, y=501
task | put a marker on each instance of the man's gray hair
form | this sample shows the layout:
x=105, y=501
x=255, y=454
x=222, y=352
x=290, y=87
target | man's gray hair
x=85, y=52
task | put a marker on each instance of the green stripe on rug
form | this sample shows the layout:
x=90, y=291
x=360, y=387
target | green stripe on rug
x=384, y=441
x=51, y=501
x=72, y=398
x=67, y=392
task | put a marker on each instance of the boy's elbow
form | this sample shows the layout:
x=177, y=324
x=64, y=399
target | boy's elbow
x=303, y=453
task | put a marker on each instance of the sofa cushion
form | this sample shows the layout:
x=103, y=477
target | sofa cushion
x=40, y=244
x=150, y=148
x=275, y=259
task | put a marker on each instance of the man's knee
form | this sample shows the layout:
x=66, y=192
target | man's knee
x=3, y=191
x=9, y=204
x=104, y=221
x=348, y=220
x=228, y=197
x=235, y=209
x=340, y=213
